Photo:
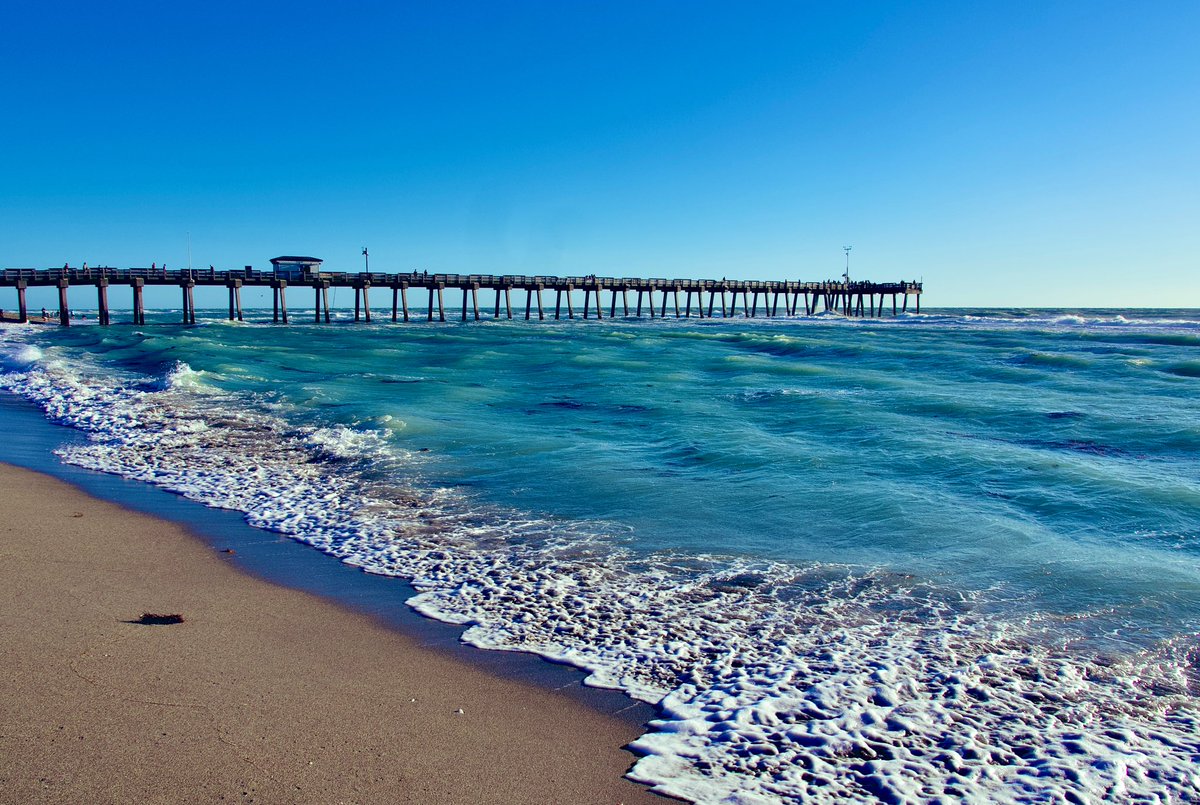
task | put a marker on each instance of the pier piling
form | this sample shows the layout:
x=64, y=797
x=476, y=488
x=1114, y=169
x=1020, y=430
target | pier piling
x=139, y=305
x=281, y=289
x=102, y=301
x=235, y=299
x=22, y=306
x=64, y=312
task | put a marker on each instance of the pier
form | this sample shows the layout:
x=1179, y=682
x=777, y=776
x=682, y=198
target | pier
x=611, y=297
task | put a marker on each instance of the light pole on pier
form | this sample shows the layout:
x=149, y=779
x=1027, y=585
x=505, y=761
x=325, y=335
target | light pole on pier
x=847, y=249
x=366, y=260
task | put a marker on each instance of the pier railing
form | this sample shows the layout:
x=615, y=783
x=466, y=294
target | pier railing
x=846, y=298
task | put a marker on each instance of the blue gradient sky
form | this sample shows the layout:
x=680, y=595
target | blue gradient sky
x=1007, y=153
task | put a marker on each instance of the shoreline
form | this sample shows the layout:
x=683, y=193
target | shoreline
x=263, y=693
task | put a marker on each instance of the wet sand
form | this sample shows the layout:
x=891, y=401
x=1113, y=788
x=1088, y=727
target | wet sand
x=263, y=693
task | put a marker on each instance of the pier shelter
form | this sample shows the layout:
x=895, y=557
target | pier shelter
x=296, y=269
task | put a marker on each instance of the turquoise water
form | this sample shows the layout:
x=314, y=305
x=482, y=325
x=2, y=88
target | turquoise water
x=728, y=517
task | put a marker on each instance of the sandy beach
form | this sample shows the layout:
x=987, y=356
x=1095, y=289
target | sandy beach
x=263, y=694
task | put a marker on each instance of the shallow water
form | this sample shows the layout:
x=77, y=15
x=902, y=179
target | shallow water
x=942, y=555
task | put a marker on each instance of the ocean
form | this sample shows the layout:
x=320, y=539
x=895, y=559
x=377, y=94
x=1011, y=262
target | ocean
x=952, y=555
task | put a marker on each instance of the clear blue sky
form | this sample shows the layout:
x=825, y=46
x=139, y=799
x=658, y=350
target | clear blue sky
x=983, y=147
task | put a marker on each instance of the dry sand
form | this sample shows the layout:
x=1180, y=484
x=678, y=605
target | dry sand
x=263, y=694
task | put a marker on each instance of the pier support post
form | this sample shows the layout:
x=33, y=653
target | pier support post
x=464, y=307
x=918, y=303
x=395, y=303
x=496, y=311
x=754, y=307
x=570, y=307
x=712, y=298
x=528, y=301
x=893, y=304
x=282, y=286
x=430, y=303
x=189, y=301
x=612, y=308
x=676, y=296
x=275, y=304
x=625, y=299
x=639, y=303
x=102, y=301
x=508, y=301
x=541, y=315
x=235, y=299
x=688, y=305
x=404, y=299
x=139, y=307
x=64, y=312
x=441, y=290
x=475, y=299
x=662, y=313
x=586, y=295
x=22, y=303
x=599, y=307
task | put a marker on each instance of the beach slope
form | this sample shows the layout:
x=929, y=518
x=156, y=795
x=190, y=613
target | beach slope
x=262, y=694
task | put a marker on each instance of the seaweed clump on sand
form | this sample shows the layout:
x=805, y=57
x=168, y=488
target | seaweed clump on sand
x=155, y=619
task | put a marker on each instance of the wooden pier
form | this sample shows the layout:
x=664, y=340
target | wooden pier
x=758, y=297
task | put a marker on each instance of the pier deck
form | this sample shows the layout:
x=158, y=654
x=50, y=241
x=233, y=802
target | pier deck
x=847, y=298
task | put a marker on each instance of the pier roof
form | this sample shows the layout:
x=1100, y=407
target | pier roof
x=295, y=259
